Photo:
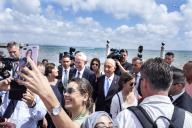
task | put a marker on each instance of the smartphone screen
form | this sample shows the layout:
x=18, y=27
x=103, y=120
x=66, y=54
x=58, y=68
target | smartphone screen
x=16, y=91
x=29, y=51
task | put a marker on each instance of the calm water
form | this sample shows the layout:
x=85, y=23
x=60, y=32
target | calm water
x=52, y=54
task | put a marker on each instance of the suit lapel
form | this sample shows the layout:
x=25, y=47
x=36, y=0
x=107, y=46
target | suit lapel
x=113, y=86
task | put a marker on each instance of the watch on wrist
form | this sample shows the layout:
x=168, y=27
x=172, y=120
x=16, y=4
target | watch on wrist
x=56, y=110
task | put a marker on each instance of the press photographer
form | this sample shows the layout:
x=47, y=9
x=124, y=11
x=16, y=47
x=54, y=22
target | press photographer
x=23, y=112
x=121, y=60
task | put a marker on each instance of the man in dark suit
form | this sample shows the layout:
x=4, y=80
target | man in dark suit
x=64, y=71
x=169, y=58
x=106, y=87
x=81, y=71
x=177, y=91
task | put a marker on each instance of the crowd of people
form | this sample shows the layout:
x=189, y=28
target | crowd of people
x=74, y=96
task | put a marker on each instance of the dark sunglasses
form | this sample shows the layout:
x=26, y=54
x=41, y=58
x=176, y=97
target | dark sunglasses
x=70, y=90
x=132, y=84
x=95, y=64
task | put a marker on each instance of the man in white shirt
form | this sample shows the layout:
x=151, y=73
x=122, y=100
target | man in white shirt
x=29, y=109
x=156, y=80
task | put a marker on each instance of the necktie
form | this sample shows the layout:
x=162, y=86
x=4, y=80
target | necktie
x=10, y=108
x=107, y=87
x=171, y=98
x=14, y=70
x=78, y=74
x=65, y=80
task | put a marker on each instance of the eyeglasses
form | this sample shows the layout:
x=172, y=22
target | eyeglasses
x=95, y=64
x=70, y=90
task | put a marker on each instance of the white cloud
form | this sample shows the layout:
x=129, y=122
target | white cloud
x=26, y=6
x=28, y=21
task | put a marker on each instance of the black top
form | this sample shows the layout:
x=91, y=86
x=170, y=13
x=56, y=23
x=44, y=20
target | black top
x=126, y=66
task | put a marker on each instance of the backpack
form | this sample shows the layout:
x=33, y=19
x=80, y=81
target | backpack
x=176, y=121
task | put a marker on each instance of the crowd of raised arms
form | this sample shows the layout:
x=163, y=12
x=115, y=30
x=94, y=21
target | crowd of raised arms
x=153, y=93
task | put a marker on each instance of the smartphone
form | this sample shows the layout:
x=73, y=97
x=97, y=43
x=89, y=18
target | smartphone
x=16, y=91
x=28, y=51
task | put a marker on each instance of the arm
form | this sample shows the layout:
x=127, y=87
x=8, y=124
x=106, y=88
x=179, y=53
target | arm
x=37, y=83
x=5, y=84
x=36, y=107
x=121, y=68
x=114, y=107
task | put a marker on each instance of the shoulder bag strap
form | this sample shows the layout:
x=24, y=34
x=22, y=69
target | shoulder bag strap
x=119, y=102
x=142, y=116
x=178, y=117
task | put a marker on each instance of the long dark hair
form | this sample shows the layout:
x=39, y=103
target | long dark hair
x=98, y=61
x=124, y=78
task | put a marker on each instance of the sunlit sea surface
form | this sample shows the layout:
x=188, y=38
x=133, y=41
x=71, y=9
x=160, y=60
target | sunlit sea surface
x=52, y=54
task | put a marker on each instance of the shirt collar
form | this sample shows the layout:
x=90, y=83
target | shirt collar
x=82, y=70
x=66, y=69
x=110, y=78
x=156, y=99
x=177, y=96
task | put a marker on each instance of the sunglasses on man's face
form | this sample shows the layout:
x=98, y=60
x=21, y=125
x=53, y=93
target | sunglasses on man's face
x=70, y=90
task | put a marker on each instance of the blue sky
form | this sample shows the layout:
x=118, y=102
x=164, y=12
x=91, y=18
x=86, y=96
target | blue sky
x=89, y=23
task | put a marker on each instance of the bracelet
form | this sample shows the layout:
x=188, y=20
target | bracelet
x=34, y=104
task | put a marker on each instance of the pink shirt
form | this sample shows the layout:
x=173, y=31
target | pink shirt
x=188, y=89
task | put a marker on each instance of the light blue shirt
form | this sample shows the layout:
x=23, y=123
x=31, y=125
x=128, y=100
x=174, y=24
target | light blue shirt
x=23, y=116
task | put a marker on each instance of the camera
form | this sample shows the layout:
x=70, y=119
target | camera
x=16, y=91
x=70, y=53
x=6, y=66
x=114, y=54
x=140, y=50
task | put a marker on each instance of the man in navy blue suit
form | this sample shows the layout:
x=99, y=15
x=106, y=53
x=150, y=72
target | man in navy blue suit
x=106, y=87
x=180, y=98
x=81, y=71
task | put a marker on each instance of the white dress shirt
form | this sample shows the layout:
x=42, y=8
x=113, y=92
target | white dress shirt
x=108, y=79
x=63, y=74
x=175, y=97
x=155, y=106
x=23, y=116
x=81, y=73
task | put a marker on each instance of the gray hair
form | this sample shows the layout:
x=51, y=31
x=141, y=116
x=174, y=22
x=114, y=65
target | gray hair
x=158, y=73
x=81, y=55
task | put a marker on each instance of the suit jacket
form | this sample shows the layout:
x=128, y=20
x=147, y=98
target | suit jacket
x=87, y=74
x=104, y=103
x=60, y=72
x=184, y=102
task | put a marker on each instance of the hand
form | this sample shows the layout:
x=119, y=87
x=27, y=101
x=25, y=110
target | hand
x=5, y=84
x=45, y=123
x=29, y=98
x=7, y=125
x=34, y=80
x=117, y=62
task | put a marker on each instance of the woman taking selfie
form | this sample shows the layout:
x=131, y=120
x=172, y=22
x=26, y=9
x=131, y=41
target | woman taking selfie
x=38, y=83
x=78, y=99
